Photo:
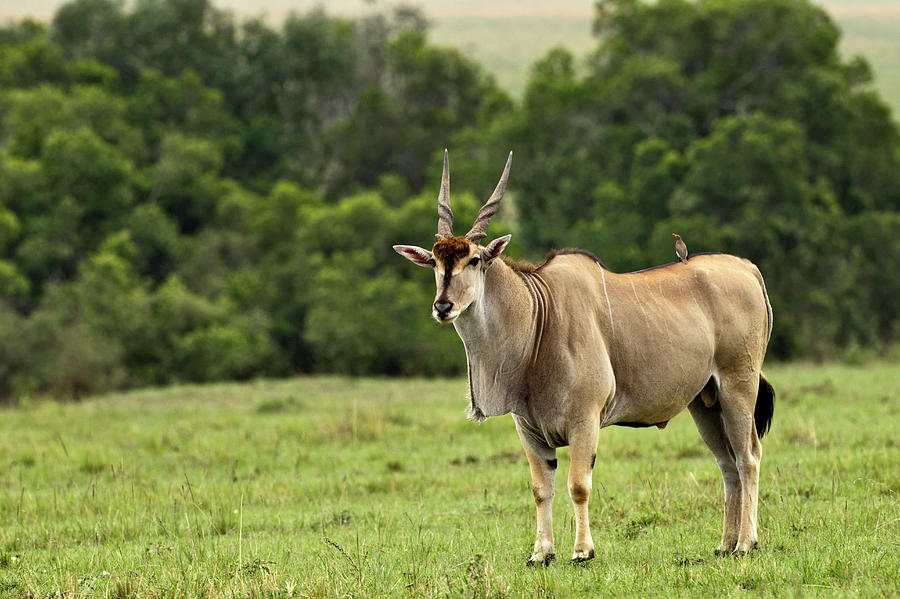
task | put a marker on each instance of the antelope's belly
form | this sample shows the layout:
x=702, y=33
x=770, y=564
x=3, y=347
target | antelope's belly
x=651, y=407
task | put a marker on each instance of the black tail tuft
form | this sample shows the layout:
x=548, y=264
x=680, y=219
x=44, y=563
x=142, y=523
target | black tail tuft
x=765, y=406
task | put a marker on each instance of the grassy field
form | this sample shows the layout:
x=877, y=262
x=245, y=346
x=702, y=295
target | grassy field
x=329, y=487
x=872, y=30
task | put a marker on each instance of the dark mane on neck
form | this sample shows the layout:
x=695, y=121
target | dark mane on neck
x=519, y=265
x=527, y=267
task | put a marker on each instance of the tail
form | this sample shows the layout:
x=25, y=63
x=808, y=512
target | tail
x=765, y=406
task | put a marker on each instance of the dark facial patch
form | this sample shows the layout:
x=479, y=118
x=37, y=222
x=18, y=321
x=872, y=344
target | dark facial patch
x=552, y=464
x=450, y=251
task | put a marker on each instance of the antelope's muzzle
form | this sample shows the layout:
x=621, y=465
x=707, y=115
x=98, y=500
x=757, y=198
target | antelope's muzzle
x=442, y=309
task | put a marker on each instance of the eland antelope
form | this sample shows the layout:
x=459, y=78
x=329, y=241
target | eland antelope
x=569, y=347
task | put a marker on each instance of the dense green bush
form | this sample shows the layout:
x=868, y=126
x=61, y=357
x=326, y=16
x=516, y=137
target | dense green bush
x=184, y=197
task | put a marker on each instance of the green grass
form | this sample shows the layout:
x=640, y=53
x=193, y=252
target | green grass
x=329, y=487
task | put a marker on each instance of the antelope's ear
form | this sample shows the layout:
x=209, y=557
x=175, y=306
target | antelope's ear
x=496, y=247
x=416, y=255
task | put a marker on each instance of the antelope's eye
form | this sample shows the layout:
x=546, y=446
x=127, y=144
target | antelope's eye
x=474, y=261
x=432, y=262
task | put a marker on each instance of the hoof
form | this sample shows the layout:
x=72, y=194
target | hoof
x=544, y=560
x=725, y=549
x=579, y=557
x=744, y=548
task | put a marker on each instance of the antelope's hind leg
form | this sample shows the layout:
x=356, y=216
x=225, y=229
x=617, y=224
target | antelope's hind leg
x=711, y=427
x=542, y=462
x=738, y=398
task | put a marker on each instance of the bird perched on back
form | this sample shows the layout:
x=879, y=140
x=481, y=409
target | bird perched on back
x=680, y=248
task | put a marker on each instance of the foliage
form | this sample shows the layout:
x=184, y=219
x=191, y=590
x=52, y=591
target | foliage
x=186, y=197
x=337, y=487
x=181, y=196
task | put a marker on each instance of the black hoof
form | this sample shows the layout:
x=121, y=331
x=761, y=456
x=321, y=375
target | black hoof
x=739, y=553
x=581, y=560
x=725, y=552
x=546, y=561
x=735, y=552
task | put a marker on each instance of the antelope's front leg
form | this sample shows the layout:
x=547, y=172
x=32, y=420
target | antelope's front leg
x=542, y=461
x=583, y=453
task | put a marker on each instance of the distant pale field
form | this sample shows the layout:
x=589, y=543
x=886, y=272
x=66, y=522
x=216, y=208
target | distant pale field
x=333, y=487
x=873, y=31
x=508, y=36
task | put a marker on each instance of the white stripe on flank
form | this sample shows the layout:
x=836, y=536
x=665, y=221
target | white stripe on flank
x=638, y=300
x=608, y=305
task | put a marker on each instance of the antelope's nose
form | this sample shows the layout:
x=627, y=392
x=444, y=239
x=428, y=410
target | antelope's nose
x=443, y=309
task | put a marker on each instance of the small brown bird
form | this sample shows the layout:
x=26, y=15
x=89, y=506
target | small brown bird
x=680, y=248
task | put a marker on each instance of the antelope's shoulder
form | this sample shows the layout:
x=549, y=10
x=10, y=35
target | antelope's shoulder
x=554, y=259
x=570, y=261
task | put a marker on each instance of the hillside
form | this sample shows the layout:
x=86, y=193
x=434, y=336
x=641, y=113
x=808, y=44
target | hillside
x=507, y=36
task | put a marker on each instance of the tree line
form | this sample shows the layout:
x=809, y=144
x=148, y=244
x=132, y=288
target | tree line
x=189, y=197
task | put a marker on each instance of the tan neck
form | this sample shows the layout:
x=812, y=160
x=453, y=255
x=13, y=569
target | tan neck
x=498, y=331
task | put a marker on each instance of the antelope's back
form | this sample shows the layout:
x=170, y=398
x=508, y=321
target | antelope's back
x=715, y=305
